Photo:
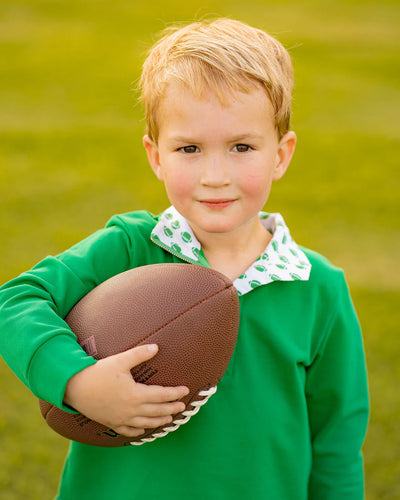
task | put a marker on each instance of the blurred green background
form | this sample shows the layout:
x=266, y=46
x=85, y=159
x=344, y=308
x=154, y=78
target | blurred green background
x=71, y=156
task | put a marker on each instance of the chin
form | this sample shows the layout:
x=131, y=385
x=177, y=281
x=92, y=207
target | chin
x=213, y=228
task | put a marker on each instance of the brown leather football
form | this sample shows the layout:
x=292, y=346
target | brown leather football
x=190, y=311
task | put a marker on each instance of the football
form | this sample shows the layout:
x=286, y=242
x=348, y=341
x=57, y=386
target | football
x=190, y=311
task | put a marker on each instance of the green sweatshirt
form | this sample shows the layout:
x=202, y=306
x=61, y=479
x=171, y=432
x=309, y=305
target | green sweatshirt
x=290, y=414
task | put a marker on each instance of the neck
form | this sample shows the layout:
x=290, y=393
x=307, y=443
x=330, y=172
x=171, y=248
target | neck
x=233, y=253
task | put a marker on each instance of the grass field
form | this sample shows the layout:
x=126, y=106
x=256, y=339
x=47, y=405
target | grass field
x=71, y=156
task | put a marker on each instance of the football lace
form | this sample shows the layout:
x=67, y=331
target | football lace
x=188, y=414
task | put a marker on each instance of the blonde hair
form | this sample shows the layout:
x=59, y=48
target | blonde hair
x=223, y=55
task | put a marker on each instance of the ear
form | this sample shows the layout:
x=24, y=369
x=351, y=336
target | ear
x=284, y=154
x=153, y=156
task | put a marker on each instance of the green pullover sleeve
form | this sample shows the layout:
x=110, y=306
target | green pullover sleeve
x=337, y=398
x=35, y=341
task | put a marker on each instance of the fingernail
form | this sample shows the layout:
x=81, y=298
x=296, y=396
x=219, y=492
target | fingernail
x=152, y=348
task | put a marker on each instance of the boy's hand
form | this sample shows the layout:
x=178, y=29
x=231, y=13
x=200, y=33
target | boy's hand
x=107, y=393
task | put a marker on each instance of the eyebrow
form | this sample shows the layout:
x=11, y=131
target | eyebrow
x=245, y=137
x=238, y=138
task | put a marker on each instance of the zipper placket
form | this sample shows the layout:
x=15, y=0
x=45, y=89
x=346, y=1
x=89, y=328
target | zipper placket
x=169, y=249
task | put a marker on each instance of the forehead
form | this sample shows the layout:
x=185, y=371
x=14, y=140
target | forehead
x=223, y=91
x=180, y=106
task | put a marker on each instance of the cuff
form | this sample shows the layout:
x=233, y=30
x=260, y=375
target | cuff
x=53, y=364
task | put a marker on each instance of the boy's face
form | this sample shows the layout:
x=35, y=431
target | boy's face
x=218, y=163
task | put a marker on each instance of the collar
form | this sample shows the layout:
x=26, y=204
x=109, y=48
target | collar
x=282, y=260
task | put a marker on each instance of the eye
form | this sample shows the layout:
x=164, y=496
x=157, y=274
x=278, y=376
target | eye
x=189, y=149
x=242, y=148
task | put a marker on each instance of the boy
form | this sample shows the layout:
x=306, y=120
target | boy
x=290, y=414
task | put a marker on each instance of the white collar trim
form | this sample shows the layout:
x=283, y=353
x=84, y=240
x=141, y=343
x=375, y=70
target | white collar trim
x=282, y=260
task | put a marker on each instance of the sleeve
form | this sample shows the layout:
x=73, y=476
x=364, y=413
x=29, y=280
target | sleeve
x=338, y=406
x=35, y=341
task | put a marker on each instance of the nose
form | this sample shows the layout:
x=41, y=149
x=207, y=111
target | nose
x=215, y=171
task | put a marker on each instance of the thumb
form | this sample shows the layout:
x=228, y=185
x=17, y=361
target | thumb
x=133, y=357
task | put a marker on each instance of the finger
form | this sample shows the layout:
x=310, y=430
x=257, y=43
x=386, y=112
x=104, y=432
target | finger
x=126, y=430
x=161, y=410
x=151, y=422
x=133, y=357
x=160, y=394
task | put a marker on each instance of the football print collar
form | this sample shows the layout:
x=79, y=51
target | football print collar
x=282, y=260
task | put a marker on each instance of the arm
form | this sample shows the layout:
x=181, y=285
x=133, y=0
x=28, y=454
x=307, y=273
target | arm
x=34, y=339
x=42, y=350
x=337, y=398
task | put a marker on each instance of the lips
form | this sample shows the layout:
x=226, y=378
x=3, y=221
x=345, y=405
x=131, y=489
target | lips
x=217, y=203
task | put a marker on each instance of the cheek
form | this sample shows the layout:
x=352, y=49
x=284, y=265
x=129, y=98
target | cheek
x=256, y=184
x=178, y=183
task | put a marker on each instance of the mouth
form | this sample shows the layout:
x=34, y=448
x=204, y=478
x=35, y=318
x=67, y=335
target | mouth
x=217, y=203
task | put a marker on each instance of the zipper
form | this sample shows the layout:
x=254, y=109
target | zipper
x=176, y=254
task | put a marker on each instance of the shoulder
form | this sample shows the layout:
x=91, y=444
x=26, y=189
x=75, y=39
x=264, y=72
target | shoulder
x=326, y=279
x=132, y=222
x=321, y=267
